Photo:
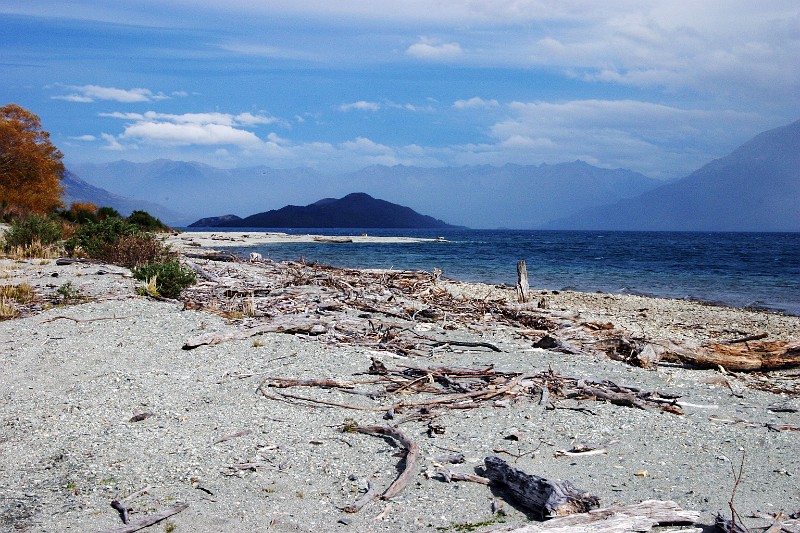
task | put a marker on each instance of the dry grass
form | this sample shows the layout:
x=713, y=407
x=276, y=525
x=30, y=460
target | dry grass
x=7, y=311
x=36, y=250
x=21, y=293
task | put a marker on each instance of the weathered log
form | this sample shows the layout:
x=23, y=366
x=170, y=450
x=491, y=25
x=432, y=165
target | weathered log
x=523, y=289
x=228, y=258
x=618, y=519
x=287, y=324
x=543, y=497
x=741, y=357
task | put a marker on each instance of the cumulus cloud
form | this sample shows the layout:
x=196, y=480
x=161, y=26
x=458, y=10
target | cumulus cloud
x=91, y=93
x=202, y=129
x=475, y=103
x=430, y=49
x=361, y=105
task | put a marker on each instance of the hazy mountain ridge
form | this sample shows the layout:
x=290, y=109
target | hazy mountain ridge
x=519, y=196
x=754, y=188
x=78, y=190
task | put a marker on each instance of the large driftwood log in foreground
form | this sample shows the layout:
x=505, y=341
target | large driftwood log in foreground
x=618, y=519
x=544, y=497
x=742, y=357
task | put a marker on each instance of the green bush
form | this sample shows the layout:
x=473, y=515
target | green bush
x=93, y=237
x=108, y=212
x=34, y=229
x=171, y=277
x=147, y=222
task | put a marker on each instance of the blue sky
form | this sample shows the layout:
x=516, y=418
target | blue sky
x=660, y=87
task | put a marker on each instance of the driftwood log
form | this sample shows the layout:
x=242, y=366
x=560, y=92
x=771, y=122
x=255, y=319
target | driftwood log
x=740, y=357
x=543, y=497
x=523, y=289
x=639, y=517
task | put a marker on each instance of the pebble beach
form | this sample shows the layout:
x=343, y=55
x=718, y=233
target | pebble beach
x=100, y=402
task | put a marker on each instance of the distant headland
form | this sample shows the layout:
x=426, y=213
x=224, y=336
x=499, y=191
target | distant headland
x=356, y=210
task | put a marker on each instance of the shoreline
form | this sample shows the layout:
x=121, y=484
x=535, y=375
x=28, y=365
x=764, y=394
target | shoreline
x=101, y=400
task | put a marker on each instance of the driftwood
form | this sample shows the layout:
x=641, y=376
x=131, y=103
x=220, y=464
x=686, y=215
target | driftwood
x=412, y=455
x=368, y=496
x=740, y=357
x=286, y=324
x=148, y=520
x=225, y=257
x=523, y=289
x=635, y=518
x=541, y=496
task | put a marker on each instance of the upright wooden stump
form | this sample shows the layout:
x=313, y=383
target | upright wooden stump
x=523, y=290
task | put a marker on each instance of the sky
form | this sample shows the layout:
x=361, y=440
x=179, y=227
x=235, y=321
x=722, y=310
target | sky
x=659, y=87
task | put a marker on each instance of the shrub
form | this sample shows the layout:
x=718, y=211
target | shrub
x=136, y=249
x=147, y=222
x=34, y=229
x=93, y=237
x=171, y=277
x=108, y=212
x=80, y=212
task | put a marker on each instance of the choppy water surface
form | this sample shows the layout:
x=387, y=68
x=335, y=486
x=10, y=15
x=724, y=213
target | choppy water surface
x=739, y=269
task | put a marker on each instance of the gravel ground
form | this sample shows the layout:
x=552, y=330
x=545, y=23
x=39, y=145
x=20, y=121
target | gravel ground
x=70, y=387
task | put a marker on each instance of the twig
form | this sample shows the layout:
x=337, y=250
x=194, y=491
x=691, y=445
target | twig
x=357, y=505
x=241, y=433
x=53, y=319
x=148, y=521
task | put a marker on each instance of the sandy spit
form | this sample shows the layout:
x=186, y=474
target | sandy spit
x=75, y=376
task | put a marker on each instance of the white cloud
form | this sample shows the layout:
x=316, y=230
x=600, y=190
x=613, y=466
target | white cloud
x=87, y=138
x=475, y=103
x=91, y=93
x=361, y=105
x=430, y=49
x=111, y=143
x=184, y=134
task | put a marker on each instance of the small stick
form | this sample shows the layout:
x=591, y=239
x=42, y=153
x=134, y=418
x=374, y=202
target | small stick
x=362, y=501
x=148, y=521
x=84, y=319
x=122, y=510
x=241, y=433
x=451, y=475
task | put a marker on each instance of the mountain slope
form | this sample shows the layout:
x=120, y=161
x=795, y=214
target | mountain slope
x=356, y=210
x=754, y=188
x=77, y=190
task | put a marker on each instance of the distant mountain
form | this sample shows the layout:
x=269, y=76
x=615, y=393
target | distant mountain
x=213, y=222
x=356, y=210
x=77, y=190
x=481, y=196
x=754, y=188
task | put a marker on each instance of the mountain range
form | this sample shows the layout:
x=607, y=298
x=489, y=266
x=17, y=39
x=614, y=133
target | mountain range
x=514, y=196
x=754, y=188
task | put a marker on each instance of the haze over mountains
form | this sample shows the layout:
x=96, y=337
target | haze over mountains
x=475, y=196
x=755, y=188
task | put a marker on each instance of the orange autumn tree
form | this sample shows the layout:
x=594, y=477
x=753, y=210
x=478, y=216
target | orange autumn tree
x=30, y=166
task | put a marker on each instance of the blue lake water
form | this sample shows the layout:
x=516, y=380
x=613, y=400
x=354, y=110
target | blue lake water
x=739, y=269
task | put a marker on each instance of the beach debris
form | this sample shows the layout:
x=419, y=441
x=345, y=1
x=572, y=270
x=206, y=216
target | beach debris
x=230, y=436
x=523, y=289
x=148, y=520
x=411, y=456
x=541, y=496
x=639, y=517
x=369, y=495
